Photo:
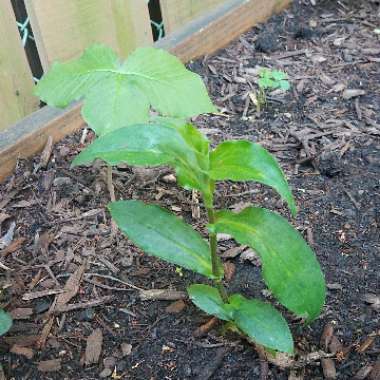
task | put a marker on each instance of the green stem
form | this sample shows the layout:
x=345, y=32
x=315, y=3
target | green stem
x=214, y=256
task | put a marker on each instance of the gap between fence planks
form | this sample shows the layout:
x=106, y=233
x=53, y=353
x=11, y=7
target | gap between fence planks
x=201, y=36
x=16, y=81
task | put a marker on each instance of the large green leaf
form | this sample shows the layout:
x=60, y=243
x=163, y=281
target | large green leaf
x=259, y=320
x=162, y=234
x=290, y=268
x=209, y=300
x=245, y=161
x=262, y=323
x=5, y=322
x=118, y=94
x=184, y=148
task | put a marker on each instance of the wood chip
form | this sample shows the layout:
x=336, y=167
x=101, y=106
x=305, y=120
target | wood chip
x=233, y=252
x=175, y=307
x=229, y=270
x=162, y=294
x=23, y=351
x=352, y=93
x=373, y=300
x=46, y=153
x=93, y=347
x=52, y=365
x=71, y=287
x=206, y=327
x=45, y=333
x=375, y=373
x=327, y=335
x=328, y=367
x=21, y=313
x=13, y=247
x=363, y=372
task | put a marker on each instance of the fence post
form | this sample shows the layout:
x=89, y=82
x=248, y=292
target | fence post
x=16, y=81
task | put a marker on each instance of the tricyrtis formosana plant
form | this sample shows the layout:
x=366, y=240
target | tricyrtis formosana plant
x=117, y=98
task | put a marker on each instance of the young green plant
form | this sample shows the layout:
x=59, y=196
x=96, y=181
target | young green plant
x=289, y=267
x=270, y=80
x=117, y=93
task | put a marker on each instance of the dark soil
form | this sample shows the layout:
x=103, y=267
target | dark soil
x=329, y=147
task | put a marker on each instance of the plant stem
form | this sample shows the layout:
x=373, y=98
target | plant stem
x=214, y=256
x=111, y=190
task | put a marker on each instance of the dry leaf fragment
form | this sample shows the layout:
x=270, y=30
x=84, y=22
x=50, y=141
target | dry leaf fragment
x=206, y=327
x=13, y=247
x=338, y=87
x=352, y=93
x=52, y=365
x=93, y=347
x=175, y=307
x=23, y=351
x=328, y=367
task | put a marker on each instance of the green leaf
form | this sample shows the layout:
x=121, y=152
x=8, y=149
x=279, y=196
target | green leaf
x=5, y=322
x=262, y=323
x=290, y=268
x=183, y=148
x=162, y=234
x=118, y=94
x=246, y=161
x=284, y=85
x=208, y=299
x=279, y=75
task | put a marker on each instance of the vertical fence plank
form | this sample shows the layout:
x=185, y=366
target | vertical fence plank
x=64, y=28
x=16, y=81
x=177, y=13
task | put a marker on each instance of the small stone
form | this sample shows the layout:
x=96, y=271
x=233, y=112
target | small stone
x=107, y=372
x=126, y=349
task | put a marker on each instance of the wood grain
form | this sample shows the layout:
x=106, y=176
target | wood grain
x=204, y=35
x=64, y=28
x=16, y=81
x=176, y=13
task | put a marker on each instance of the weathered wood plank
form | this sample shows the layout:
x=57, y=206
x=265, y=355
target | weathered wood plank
x=64, y=28
x=219, y=27
x=16, y=81
x=177, y=13
x=202, y=36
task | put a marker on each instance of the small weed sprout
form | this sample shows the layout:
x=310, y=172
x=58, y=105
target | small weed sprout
x=270, y=80
x=117, y=99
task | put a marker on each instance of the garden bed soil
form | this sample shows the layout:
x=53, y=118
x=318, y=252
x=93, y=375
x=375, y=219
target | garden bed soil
x=326, y=134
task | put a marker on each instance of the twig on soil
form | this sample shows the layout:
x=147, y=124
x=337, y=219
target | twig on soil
x=42, y=293
x=84, y=305
x=108, y=277
x=352, y=199
x=162, y=295
x=111, y=190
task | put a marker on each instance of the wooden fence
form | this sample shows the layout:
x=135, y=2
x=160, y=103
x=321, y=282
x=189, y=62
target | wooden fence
x=63, y=28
